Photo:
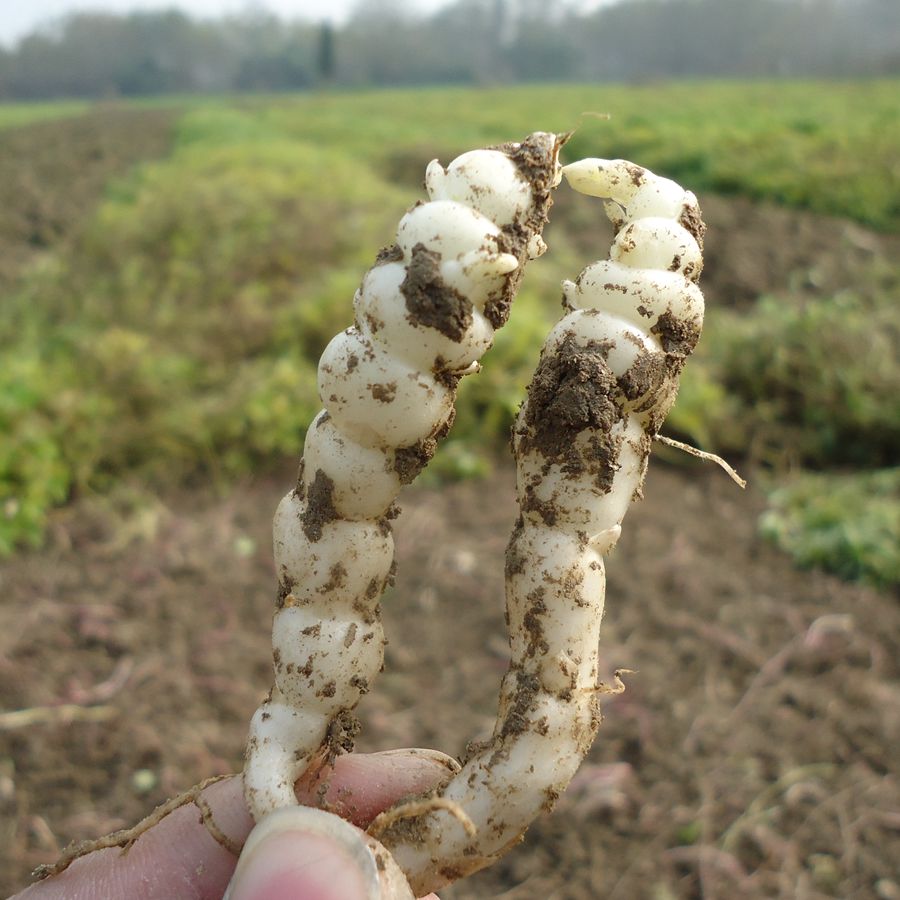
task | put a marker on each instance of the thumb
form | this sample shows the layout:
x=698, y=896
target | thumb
x=299, y=853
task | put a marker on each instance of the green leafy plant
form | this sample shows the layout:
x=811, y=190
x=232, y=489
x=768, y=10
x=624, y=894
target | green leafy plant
x=845, y=523
x=812, y=382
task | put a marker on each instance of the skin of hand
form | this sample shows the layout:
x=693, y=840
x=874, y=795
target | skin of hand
x=289, y=854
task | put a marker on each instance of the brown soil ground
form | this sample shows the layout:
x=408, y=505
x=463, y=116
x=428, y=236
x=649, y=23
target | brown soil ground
x=753, y=754
x=750, y=756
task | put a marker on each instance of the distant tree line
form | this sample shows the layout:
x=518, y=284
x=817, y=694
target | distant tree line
x=468, y=42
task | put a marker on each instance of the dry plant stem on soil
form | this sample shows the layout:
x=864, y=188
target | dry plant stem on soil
x=424, y=315
x=608, y=375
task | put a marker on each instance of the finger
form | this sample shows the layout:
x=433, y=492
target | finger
x=362, y=785
x=299, y=853
x=180, y=858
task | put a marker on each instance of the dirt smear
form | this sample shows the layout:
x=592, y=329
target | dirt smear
x=535, y=159
x=319, y=509
x=430, y=301
x=573, y=391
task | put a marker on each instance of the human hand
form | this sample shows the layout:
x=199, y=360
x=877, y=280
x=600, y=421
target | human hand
x=288, y=858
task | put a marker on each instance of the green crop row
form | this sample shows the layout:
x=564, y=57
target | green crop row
x=179, y=331
x=12, y=115
x=829, y=147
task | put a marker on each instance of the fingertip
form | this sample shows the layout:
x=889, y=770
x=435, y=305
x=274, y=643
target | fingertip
x=303, y=852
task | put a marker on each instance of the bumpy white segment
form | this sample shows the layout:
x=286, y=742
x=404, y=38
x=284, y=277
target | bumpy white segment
x=376, y=398
x=365, y=480
x=417, y=344
x=639, y=297
x=424, y=315
x=629, y=193
x=608, y=374
x=484, y=180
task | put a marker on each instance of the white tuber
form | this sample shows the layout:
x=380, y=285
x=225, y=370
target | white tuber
x=424, y=315
x=607, y=376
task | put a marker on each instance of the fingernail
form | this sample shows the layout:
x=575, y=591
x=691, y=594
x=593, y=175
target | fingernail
x=302, y=852
x=434, y=756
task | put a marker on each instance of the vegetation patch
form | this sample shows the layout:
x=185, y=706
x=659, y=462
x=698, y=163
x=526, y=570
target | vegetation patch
x=807, y=382
x=843, y=523
x=179, y=331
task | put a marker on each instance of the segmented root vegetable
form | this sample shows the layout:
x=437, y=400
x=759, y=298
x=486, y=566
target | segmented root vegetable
x=607, y=376
x=424, y=315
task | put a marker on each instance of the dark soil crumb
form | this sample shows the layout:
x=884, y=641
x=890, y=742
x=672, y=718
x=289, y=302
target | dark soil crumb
x=545, y=509
x=319, y=509
x=336, y=578
x=429, y=300
x=573, y=391
x=515, y=560
x=518, y=719
x=443, y=376
x=384, y=393
x=341, y=735
x=409, y=461
x=637, y=174
x=677, y=336
x=691, y=220
x=537, y=643
x=285, y=586
x=646, y=376
x=394, y=253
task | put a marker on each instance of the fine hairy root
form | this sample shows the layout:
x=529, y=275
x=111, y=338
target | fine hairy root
x=126, y=838
x=416, y=808
x=702, y=454
x=424, y=315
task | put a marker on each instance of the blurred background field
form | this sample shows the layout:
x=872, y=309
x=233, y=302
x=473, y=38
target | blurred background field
x=171, y=267
x=164, y=316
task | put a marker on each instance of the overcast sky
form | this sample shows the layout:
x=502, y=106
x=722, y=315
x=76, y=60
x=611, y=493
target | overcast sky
x=19, y=17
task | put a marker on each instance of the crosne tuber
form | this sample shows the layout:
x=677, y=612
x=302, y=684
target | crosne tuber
x=424, y=315
x=607, y=376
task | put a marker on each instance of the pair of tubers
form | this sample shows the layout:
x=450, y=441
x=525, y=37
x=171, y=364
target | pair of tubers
x=608, y=374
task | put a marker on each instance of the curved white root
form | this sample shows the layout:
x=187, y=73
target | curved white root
x=607, y=376
x=425, y=313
